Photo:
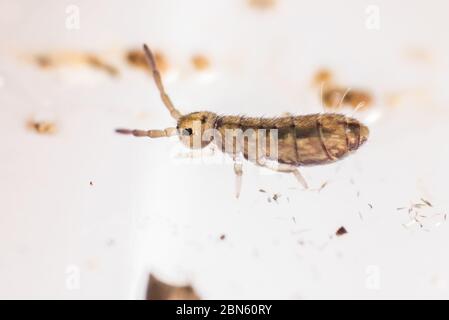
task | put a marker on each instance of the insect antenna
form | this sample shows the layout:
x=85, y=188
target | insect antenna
x=157, y=79
x=168, y=132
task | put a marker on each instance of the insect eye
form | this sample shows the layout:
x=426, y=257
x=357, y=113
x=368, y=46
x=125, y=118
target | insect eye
x=187, y=132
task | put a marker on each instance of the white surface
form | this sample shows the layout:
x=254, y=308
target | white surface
x=146, y=211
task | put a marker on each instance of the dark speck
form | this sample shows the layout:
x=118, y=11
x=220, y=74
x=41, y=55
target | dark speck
x=341, y=231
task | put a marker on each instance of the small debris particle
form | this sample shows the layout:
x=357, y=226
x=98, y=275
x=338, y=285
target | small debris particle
x=95, y=62
x=276, y=197
x=426, y=202
x=222, y=237
x=401, y=208
x=294, y=220
x=323, y=186
x=159, y=290
x=370, y=205
x=42, y=127
x=269, y=200
x=91, y=183
x=200, y=62
x=341, y=231
x=420, y=214
x=262, y=4
x=262, y=190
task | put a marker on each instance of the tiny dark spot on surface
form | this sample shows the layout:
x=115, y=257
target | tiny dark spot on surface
x=42, y=127
x=276, y=197
x=222, y=237
x=91, y=183
x=370, y=205
x=341, y=231
x=262, y=190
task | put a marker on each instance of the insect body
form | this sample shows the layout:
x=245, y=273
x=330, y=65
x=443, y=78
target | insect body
x=297, y=140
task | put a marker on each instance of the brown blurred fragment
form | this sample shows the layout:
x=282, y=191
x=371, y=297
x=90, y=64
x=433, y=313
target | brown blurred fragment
x=262, y=4
x=336, y=97
x=96, y=62
x=159, y=290
x=137, y=59
x=200, y=62
x=48, y=60
x=322, y=76
x=42, y=127
x=43, y=60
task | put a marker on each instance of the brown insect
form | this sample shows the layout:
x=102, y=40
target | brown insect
x=281, y=144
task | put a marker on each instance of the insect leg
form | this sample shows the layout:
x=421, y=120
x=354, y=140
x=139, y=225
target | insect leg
x=282, y=167
x=238, y=170
x=149, y=133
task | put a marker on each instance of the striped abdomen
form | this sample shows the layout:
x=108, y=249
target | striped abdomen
x=301, y=140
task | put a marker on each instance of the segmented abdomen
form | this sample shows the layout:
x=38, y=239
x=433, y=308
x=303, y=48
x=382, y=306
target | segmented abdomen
x=301, y=140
